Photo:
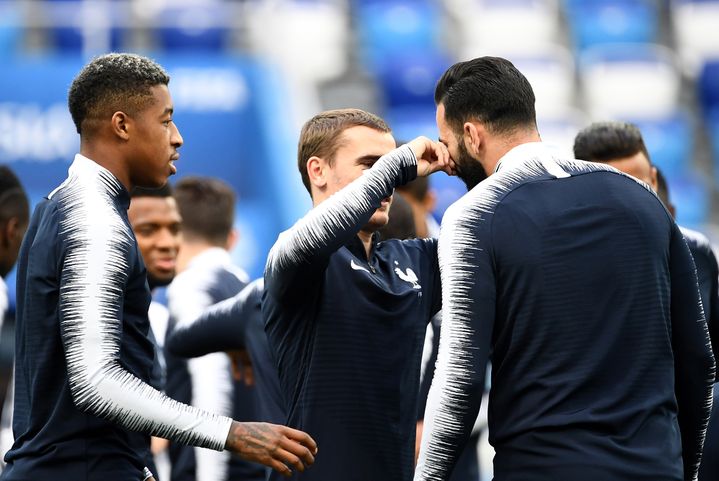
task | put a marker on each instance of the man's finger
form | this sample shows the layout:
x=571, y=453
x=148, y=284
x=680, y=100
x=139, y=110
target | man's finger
x=280, y=467
x=298, y=450
x=290, y=459
x=302, y=438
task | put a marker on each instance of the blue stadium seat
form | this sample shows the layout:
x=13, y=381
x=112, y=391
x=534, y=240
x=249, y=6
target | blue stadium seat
x=692, y=198
x=633, y=80
x=193, y=29
x=10, y=28
x=712, y=126
x=696, y=37
x=386, y=29
x=670, y=142
x=409, y=79
x=69, y=37
x=594, y=22
x=410, y=122
x=708, y=86
x=504, y=27
x=448, y=190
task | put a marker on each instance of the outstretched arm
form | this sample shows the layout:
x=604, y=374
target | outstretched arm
x=468, y=307
x=305, y=248
x=93, y=275
x=220, y=328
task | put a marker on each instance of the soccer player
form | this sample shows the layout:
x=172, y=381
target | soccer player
x=422, y=199
x=83, y=408
x=620, y=144
x=156, y=222
x=345, y=315
x=230, y=326
x=14, y=218
x=206, y=276
x=579, y=284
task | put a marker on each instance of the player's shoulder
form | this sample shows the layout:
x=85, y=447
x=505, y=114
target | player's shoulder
x=696, y=240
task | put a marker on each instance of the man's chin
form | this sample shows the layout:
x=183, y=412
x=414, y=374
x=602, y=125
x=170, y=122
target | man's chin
x=159, y=281
x=376, y=222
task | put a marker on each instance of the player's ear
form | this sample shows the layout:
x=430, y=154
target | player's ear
x=120, y=123
x=473, y=136
x=653, y=182
x=317, y=169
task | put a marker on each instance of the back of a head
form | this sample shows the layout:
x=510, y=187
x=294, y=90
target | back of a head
x=14, y=218
x=663, y=193
x=401, y=221
x=487, y=89
x=160, y=192
x=321, y=135
x=13, y=199
x=417, y=189
x=111, y=83
x=207, y=208
x=607, y=141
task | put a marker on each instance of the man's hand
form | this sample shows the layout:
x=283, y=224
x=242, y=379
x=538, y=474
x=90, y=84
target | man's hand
x=431, y=157
x=158, y=445
x=279, y=447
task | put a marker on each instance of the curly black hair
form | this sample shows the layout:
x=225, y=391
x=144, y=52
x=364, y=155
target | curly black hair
x=111, y=83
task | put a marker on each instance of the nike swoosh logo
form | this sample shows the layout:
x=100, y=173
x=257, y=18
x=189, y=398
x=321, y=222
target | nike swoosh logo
x=357, y=267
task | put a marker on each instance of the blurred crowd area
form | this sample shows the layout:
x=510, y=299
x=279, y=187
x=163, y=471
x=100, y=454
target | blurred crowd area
x=246, y=74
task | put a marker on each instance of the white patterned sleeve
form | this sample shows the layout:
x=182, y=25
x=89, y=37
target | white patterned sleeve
x=335, y=221
x=93, y=273
x=468, y=306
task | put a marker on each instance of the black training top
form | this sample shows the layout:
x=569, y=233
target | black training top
x=577, y=282
x=231, y=325
x=83, y=408
x=347, y=332
x=708, y=277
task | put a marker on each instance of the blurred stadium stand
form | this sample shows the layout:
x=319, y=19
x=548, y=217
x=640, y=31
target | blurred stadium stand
x=246, y=74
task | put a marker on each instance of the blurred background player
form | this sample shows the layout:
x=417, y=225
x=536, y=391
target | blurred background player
x=422, y=199
x=14, y=218
x=156, y=222
x=206, y=275
x=235, y=327
x=620, y=144
x=706, y=262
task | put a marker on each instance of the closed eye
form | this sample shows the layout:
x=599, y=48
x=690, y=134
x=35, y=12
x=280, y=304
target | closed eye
x=367, y=161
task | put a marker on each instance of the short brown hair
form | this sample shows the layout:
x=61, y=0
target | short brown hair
x=321, y=135
x=207, y=208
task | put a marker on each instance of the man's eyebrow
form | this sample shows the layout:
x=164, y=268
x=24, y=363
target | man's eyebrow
x=367, y=159
x=168, y=110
